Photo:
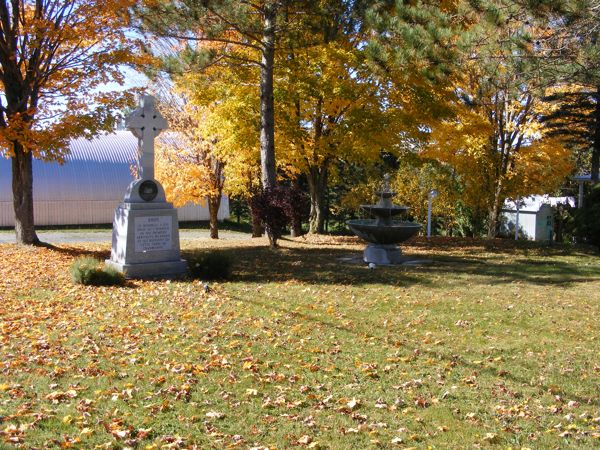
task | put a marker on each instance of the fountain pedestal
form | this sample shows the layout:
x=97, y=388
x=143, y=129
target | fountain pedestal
x=383, y=254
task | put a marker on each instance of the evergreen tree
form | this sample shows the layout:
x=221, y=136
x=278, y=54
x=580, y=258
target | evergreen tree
x=570, y=48
x=573, y=116
x=416, y=38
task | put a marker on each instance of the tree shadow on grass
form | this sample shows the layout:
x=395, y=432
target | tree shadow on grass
x=76, y=252
x=260, y=264
x=543, y=273
x=425, y=354
x=327, y=265
x=524, y=262
x=499, y=246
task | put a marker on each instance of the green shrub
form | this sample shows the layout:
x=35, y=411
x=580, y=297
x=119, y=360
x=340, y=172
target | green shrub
x=91, y=271
x=209, y=266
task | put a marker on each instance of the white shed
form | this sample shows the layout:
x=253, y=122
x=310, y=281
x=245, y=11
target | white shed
x=88, y=186
x=536, y=217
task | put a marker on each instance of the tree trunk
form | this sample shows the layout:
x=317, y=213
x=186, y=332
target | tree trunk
x=494, y=211
x=273, y=236
x=296, y=228
x=595, y=160
x=257, y=228
x=214, y=202
x=317, y=186
x=267, y=109
x=22, y=186
x=559, y=222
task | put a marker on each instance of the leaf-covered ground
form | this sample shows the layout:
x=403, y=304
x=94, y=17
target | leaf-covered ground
x=494, y=345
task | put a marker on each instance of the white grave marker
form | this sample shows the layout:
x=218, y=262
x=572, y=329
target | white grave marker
x=145, y=228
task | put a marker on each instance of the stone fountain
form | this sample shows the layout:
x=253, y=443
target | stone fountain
x=384, y=233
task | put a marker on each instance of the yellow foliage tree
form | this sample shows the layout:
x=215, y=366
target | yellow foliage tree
x=226, y=112
x=54, y=54
x=499, y=147
x=496, y=139
x=187, y=165
x=331, y=108
x=413, y=183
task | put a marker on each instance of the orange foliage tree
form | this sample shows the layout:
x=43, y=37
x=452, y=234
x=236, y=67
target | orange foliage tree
x=54, y=55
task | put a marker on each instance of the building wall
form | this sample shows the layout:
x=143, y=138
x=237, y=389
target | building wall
x=544, y=226
x=533, y=225
x=527, y=224
x=95, y=212
x=88, y=187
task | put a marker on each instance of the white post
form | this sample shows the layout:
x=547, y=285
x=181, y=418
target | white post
x=580, y=199
x=517, y=220
x=431, y=195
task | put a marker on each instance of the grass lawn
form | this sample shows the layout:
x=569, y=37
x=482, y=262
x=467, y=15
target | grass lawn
x=494, y=345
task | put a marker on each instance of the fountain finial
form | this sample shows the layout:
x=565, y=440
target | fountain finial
x=386, y=182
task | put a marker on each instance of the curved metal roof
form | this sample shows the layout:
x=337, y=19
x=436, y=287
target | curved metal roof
x=97, y=169
x=88, y=186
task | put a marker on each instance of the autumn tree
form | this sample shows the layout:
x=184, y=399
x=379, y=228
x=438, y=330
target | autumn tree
x=413, y=182
x=332, y=109
x=225, y=96
x=477, y=95
x=232, y=33
x=53, y=57
x=496, y=140
x=187, y=164
x=240, y=31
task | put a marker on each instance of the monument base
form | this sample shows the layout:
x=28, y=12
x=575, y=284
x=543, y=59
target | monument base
x=145, y=241
x=383, y=254
x=165, y=269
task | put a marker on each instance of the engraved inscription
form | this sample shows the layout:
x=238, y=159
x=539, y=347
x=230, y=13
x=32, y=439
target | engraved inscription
x=153, y=233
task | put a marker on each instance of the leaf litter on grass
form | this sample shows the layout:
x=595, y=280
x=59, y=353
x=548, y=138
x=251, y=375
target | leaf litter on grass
x=449, y=355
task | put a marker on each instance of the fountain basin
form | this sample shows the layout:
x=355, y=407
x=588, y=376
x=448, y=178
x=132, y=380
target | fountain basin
x=384, y=211
x=371, y=231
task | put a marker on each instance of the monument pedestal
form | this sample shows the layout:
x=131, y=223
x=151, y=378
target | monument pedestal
x=145, y=238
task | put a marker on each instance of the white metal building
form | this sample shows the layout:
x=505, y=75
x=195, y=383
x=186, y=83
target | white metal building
x=536, y=217
x=87, y=188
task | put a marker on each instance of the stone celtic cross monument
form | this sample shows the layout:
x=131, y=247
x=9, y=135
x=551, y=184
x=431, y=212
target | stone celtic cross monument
x=145, y=239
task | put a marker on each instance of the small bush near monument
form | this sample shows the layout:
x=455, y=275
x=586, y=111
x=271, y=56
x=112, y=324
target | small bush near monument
x=92, y=272
x=209, y=266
